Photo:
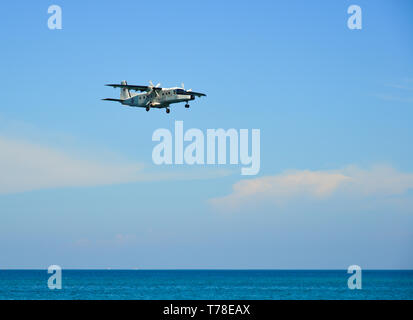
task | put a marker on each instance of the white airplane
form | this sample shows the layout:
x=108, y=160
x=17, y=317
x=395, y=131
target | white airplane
x=153, y=96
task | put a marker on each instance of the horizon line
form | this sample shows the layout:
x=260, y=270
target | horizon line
x=202, y=269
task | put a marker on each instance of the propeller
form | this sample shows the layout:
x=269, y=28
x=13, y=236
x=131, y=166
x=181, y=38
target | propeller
x=183, y=87
x=152, y=87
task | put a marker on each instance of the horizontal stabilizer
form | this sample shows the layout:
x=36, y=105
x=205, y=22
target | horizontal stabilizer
x=198, y=94
x=110, y=99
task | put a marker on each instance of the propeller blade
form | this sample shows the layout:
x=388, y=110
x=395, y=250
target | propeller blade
x=183, y=86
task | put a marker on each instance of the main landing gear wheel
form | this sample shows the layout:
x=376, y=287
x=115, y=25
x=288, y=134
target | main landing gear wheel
x=168, y=110
x=147, y=108
x=187, y=106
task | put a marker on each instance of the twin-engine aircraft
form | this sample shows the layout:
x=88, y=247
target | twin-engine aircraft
x=153, y=96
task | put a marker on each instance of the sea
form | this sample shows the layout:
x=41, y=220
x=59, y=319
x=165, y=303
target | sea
x=206, y=285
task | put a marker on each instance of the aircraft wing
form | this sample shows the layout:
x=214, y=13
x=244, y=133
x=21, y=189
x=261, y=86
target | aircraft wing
x=130, y=87
x=198, y=94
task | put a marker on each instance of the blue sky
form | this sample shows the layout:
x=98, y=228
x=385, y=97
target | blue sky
x=334, y=107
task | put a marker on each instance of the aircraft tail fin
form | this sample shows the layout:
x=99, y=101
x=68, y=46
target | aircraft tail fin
x=124, y=92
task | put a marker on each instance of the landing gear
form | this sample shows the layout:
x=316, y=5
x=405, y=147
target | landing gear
x=187, y=105
x=168, y=110
x=147, y=109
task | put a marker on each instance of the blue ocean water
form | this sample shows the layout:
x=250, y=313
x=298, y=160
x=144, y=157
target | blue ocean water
x=205, y=284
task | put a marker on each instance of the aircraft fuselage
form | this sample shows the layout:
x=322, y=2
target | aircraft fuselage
x=158, y=99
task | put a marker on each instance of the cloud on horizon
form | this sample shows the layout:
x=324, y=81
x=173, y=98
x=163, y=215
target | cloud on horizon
x=295, y=185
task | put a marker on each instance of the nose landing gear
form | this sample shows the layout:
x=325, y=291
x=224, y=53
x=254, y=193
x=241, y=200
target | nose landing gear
x=168, y=110
x=147, y=109
x=187, y=105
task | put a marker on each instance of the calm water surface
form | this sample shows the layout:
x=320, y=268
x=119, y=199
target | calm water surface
x=205, y=284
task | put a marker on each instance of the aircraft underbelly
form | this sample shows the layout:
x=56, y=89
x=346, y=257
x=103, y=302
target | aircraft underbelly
x=161, y=103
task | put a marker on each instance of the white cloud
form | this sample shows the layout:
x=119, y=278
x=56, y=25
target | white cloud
x=26, y=166
x=295, y=185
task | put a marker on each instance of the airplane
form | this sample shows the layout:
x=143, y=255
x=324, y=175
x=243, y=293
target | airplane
x=153, y=96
